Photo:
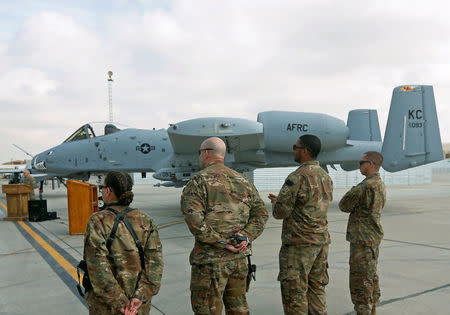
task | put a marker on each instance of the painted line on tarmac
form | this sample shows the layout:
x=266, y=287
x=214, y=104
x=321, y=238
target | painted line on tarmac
x=62, y=263
x=417, y=244
x=65, y=258
x=65, y=271
x=17, y=252
x=415, y=294
x=409, y=296
x=26, y=249
x=58, y=261
x=402, y=242
x=169, y=224
x=4, y=212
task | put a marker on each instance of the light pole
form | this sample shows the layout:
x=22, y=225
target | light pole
x=110, y=81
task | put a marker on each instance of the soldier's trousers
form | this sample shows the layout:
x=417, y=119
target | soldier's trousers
x=303, y=277
x=364, y=284
x=212, y=283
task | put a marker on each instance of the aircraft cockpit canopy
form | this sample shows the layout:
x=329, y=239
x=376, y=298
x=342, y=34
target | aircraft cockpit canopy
x=84, y=132
x=110, y=128
x=94, y=129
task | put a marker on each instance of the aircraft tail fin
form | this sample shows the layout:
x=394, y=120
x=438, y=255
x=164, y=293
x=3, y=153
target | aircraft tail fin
x=412, y=135
x=363, y=125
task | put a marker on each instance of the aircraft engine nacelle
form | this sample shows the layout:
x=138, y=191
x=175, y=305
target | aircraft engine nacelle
x=282, y=129
x=239, y=134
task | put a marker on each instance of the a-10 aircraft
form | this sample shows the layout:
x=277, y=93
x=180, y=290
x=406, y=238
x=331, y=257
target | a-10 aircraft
x=412, y=138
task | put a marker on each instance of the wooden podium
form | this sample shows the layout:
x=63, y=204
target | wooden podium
x=17, y=196
x=82, y=200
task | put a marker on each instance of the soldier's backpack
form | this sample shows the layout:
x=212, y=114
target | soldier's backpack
x=86, y=283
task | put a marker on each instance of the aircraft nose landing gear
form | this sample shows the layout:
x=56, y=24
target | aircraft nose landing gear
x=101, y=203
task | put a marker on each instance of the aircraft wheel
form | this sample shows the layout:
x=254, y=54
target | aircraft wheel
x=101, y=203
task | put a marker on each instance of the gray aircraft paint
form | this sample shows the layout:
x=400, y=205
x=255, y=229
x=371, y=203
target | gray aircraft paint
x=412, y=133
x=363, y=125
x=412, y=138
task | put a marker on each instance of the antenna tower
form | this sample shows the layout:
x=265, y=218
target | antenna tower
x=110, y=81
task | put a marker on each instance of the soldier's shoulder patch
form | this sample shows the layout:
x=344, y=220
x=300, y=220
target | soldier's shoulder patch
x=289, y=182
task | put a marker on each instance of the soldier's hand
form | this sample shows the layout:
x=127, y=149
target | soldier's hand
x=273, y=198
x=127, y=311
x=242, y=246
x=135, y=303
x=231, y=248
x=132, y=307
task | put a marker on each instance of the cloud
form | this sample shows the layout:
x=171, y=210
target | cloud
x=174, y=61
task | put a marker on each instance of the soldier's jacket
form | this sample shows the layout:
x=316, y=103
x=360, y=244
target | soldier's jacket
x=117, y=276
x=218, y=202
x=303, y=204
x=364, y=202
x=30, y=181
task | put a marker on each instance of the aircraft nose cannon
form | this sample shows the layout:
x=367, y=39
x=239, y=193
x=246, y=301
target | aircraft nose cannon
x=39, y=163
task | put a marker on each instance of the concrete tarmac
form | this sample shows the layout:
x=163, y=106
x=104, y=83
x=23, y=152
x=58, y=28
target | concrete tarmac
x=37, y=258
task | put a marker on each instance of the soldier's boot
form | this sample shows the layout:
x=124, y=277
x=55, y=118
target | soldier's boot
x=374, y=310
x=363, y=309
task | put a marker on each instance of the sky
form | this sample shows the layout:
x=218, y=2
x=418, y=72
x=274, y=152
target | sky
x=178, y=60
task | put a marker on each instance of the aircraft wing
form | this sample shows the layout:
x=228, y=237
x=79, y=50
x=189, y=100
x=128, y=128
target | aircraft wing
x=240, y=135
x=41, y=177
x=10, y=171
x=38, y=177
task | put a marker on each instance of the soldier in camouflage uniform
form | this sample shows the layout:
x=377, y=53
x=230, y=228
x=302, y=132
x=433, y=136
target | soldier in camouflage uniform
x=303, y=205
x=120, y=285
x=216, y=203
x=364, y=232
x=29, y=181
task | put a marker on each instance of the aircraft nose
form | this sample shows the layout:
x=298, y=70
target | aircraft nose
x=39, y=162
